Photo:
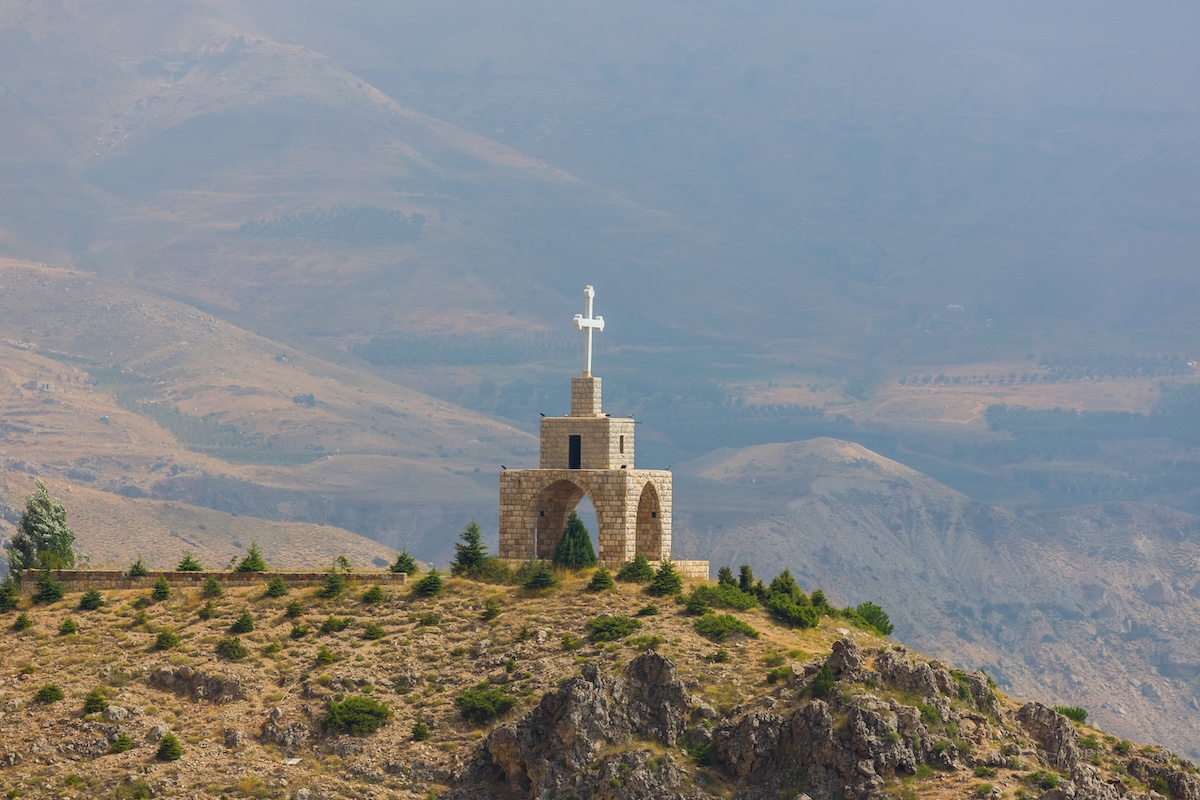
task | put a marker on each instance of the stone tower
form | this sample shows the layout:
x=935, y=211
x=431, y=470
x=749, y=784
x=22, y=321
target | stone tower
x=588, y=453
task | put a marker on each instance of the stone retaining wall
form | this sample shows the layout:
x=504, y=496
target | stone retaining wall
x=80, y=580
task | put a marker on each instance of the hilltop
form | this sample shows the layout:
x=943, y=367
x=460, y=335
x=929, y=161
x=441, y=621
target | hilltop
x=659, y=711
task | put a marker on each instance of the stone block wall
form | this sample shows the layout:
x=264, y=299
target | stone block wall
x=605, y=443
x=585, y=397
x=81, y=580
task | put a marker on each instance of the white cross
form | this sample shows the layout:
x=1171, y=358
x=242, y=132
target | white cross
x=586, y=324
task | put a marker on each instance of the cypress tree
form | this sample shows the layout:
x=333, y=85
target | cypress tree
x=574, y=549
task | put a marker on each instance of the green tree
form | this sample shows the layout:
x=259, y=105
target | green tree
x=601, y=580
x=253, y=562
x=540, y=577
x=636, y=571
x=169, y=749
x=725, y=577
x=666, y=581
x=276, y=587
x=574, y=549
x=745, y=578
x=138, y=569
x=470, y=554
x=189, y=563
x=10, y=594
x=404, y=563
x=43, y=538
x=875, y=617
x=95, y=702
x=430, y=585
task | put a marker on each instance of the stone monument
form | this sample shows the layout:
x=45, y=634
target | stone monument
x=589, y=453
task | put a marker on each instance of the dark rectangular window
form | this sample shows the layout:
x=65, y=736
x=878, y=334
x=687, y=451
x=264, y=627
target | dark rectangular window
x=574, y=452
x=622, y=445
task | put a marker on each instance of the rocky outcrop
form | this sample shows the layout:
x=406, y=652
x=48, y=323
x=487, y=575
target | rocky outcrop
x=186, y=680
x=557, y=749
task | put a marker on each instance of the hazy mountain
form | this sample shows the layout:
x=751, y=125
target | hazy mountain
x=1095, y=606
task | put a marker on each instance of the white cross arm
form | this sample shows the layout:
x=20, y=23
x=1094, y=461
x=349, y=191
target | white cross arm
x=581, y=323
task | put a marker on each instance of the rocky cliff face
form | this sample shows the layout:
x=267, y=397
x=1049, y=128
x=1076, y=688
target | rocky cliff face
x=885, y=718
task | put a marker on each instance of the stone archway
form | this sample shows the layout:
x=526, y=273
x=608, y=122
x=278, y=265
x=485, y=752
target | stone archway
x=548, y=515
x=649, y=524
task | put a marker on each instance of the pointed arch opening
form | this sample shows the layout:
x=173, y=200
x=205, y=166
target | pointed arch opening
x=649, y=524
x=549, y=511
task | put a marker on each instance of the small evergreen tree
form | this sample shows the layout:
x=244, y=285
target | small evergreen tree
x=22, y=622
x=542, y=577
x=253, y=561
x=244, y=623
x=138, y=569
x=48, y=589
x=746, y=579
x=430, y=585
x=166, y=640
x=95, y=702
x=294, y=609
x=169, y=749
x=276, y=587
x=404, y=563
x=374, y=595
x=636, y=571
x=10, y=595
x=725, y=577
x=91, y=600
x=470, y=554
x=666, y=581
x=601, y=580
x=68, y=626
x=335, y=584
x=574, y=549
x=189, y=564
x=207, y=611
x=161, y=590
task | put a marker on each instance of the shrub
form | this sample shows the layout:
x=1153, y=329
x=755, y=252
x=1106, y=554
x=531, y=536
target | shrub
x=983, y=771
x=571, y=642
x=542, y=577
x=166, y=640
x=122, y=744
x=161, y=590
x=725, y=577
x=1159, y=784
x=138, y=569
x=335, y=584
x=325, y=656
x=778, y=674
x=666, y=581
x=253, y=561
x=22, y=622
x=785, y=608
x=470, y=553
x=335, y=625
x=824, y=681
x=611, y=628
x=404, y=563
x=1074, y=713
x=50, y=693
x=374, y=595
x=1042, y=779
x=95, y=702
x=430, y=585
x=207, y=611
x=719, y=627
x=48, y=589
x=484, y=703
x=276, y=587
x=574, y=549
x=67, y=627
x=636, y=571
x=232, y=649
x=189, y=564
x=91, y=600
x=356, y=715
x=724, y=595
x=10, y=595
x=212, y=587
x=601, y=579
x=294, y=609
x=299, y=631
x=696, y=606
x=169, y=748
x=428, y=619
x=1123, y=747
x=873, y=617
x=491, y=609
x=420, y=731
x=494, y=570
x=371, y=631
x=244, y=623
x=650, y=610
x=820, y=602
